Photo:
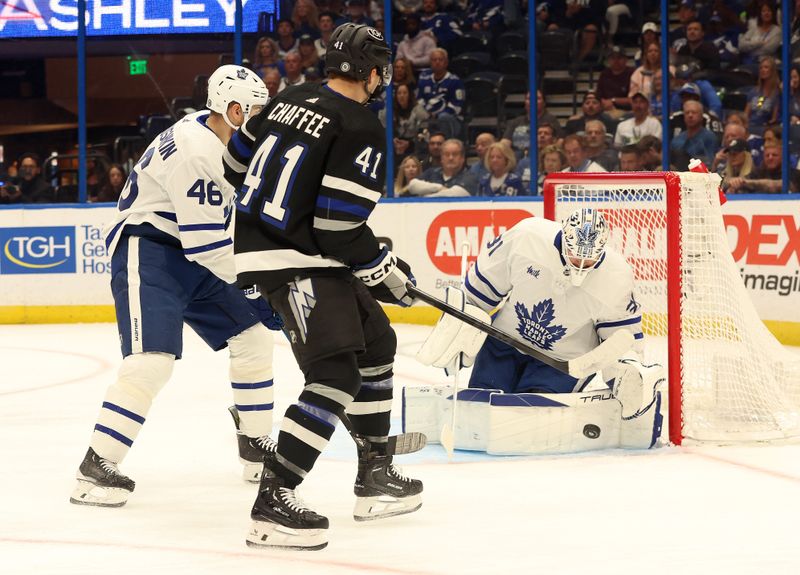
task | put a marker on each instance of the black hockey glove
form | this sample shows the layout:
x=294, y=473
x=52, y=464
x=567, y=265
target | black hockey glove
x=386, y=277
x=262, y=309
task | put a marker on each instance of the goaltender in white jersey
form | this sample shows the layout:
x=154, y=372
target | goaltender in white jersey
x=557, y=288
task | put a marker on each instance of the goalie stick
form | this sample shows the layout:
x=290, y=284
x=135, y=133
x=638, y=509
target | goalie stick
x=399, y=444
x=607, y=352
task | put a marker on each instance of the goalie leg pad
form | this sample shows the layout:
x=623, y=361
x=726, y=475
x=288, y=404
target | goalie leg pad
x=643, y=430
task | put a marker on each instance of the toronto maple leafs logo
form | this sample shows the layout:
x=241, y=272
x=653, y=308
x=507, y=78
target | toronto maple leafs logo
x=535, y=327
x=586, y=236
x=241, y=73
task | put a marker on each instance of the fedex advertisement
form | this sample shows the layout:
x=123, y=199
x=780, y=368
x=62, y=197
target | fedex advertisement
x=48, y=18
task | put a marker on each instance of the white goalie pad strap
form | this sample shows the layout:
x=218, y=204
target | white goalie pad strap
x=605, y=354
x=451, y=336
x=635, y=384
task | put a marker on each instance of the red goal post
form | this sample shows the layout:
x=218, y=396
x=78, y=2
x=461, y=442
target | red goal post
x=730, y=380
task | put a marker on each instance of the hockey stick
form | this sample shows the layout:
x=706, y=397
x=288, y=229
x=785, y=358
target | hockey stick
x=607, y=352
x=447, y=436
x=400, y=444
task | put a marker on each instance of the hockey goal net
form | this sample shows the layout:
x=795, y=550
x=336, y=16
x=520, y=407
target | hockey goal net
x=730, y=380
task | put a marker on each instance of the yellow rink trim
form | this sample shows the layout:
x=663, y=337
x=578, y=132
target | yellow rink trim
x=788, y=333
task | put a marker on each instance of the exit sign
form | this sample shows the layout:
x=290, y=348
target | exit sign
x=137, y=67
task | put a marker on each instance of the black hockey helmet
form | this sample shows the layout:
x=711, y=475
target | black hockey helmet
x=354, y=50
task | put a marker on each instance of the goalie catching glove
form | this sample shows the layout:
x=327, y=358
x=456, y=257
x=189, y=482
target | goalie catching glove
x=386, y=277
x=453, y=343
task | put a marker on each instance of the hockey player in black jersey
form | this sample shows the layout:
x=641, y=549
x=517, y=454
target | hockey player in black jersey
x=308, y=172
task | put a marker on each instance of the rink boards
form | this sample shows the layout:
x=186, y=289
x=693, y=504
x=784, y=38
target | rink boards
x=54, y=267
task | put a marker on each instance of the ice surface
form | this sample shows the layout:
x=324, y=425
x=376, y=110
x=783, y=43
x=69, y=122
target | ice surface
x=704, y=510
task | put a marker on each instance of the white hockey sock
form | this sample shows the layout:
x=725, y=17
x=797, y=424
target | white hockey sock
x=251, y=379
x=127, y=401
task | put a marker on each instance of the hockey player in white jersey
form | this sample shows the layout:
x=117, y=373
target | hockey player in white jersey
x=172, y=262
x=555, y=287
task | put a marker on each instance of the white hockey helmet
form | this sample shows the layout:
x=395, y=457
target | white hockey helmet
x=583, y=242
x=231, y=83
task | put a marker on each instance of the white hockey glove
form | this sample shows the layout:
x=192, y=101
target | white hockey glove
x=386, y=277
x=634, y=384
x=453, y=344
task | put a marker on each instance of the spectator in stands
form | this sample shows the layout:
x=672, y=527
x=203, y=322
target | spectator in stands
x=442, y=94
x=410, y=119
x=685, y=74
x=697, y=47
x=585, y=16
x=452, y=179
x=500, y=179
x=272, y=79
x=326, y=27
x=305, y=17
x=356, y=13
x=403, y=73
x=677, y=123
x=764, y=100
x=482, y=143
x=768, y=179
x=695, y=141
x=552, y=159
x=484, y=15
x=650, y=35
x=309, y=59
x=286, y=39
x=650, y=148
x=686, y=15
x=577, y=158
x=656, y=105
x=642, y=78
x=739, y=165
x=722, y=30
x=441, y=24
x=433, y=159
x=545, y=136
x=630, y=158
x=415, y=46
x=591, y=109
x=614, y=83
x=266, y=56
x=763, y=36
x=33, y=189
x=794, y=98
x=641, y=124
x=597, y=148
x=734, y=131
x=615, y=9
x=111, y=186
x=517, y=131
x=294, y=70
x=408, y=169
x=545, y=18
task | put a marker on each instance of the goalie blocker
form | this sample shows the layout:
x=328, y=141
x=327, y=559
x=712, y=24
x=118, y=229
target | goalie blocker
x=538, y=423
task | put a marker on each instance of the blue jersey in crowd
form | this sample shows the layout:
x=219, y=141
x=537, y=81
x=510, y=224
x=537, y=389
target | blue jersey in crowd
x=511, y=186
x=443, y=97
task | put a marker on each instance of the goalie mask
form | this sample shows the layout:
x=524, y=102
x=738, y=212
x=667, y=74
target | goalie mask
x=355, y=50
x=583, y=242
x=230, y=83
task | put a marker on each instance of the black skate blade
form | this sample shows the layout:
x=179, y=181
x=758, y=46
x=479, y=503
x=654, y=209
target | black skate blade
x=405, y=443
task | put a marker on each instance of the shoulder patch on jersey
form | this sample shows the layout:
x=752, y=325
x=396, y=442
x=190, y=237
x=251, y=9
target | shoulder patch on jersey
x=535, y=326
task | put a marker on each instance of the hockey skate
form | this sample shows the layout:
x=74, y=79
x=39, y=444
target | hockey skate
x=100, y=483
x=381, y=490
x=281, y=521
x=252, y=450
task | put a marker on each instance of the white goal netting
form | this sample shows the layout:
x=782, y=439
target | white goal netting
x=736, y=381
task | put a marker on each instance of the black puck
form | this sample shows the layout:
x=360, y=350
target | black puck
x=591, y=431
